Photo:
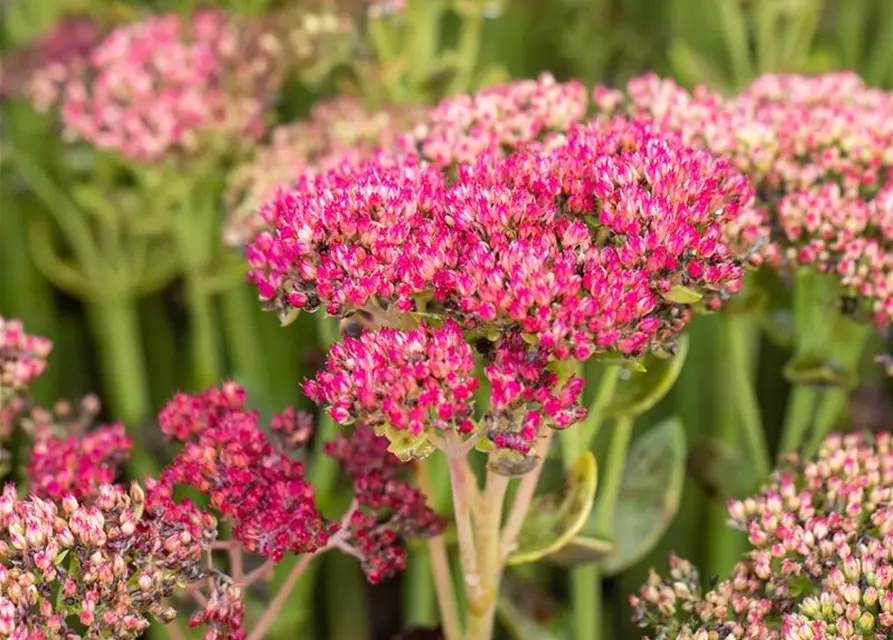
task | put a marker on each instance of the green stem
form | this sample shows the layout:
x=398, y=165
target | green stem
x=207, y=368
x=585, y=588
x=242, y=335
x=595, y=416
x=345, y=590
x=832, y=405
x=116, y=330
x=588, y=578
x=735, y=330
x=798, y=419
x=420, y=606
x=468, y=49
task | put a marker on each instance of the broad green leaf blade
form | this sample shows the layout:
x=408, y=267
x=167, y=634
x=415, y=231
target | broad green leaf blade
x=529, y=612
x=650, y=492
x=721, y=470
x=555, y=518
x=644, y=390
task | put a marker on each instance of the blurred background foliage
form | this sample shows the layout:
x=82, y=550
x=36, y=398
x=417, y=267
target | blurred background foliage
x=721, y=43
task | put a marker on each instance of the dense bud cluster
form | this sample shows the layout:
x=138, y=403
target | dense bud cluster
x=227, y=456
x=165, y=85
x=389, y=510
x=819, y=151
x=22, y=358
x=76, y=464
x=820, y=564
x=108, y=564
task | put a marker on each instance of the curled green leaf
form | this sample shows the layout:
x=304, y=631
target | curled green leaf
x=644, y=390
x=555, y=518
x=650, y=492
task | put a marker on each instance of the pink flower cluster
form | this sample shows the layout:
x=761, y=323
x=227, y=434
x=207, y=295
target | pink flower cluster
x=164, y=86
x=76, y=465
x=408, y=381
x=583, y=245
x=499, y=118
x=388, y=511
x=42, y=70
x=821, y=558
x=22, y=358
x=227, y=456
x=108, y=563
x=819, y=151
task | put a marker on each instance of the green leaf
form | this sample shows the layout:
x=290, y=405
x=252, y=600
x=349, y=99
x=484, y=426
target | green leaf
x=529, y=612
x=555, y=518
x=721, y=469
x=404, y=445
x=650, y=492
x=681, y=295
x=583, y=549
x=644, y=390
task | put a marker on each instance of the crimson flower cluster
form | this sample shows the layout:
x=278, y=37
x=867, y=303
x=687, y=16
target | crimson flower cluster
x=820, y=563
x=228, y=457
x=819, y=151
x=388, y=511
x=108, y=563
x=159, y=86
x=22, y=358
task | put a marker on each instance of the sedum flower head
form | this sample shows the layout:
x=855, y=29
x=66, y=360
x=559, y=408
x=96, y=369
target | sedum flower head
x=167, y=86
x=819, y=565
x=22, y=358
x=388, y=509
x=819, y=151
x=109, y=564
x=227, y=456
x=42, y=70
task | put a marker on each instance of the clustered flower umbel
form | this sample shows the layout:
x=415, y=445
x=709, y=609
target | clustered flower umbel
x=821, y=558
x=819, y=151
x=594, y=243
x=268, y=499
x=108, y=563
x=22, y=358
x=165, y=85
x=41, y=70
x=388, y=509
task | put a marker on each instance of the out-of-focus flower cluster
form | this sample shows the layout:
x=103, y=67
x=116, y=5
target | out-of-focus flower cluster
x=108, y=563
x=167, y=85
x=41, y=70
x=389, y=510
x=22, y=358
x=821, y=558
x=819, y=151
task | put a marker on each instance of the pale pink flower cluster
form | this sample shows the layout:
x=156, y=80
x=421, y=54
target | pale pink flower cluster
x=165, y=86
x=820, y=564
x=22, y=358
x=819, y=151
